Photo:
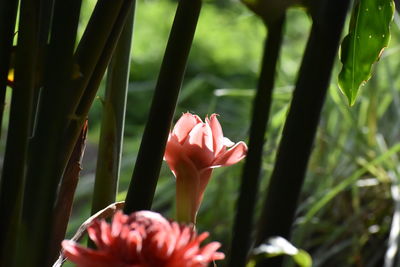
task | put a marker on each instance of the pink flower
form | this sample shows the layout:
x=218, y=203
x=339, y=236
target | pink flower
x=194, y=149
x=142, y=239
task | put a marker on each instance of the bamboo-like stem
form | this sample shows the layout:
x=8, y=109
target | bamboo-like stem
x=89, y=94
x=301, y=124
x=148, y=163
x=65, y=199
x=65, y=146
x=8, y=14
x=40, y=191
x=16, y=154
x=93, y=43
x=86, y=99
x=57, y=140
x=80, y=114
x=111, y=136
x=242, y=230
x=45, y=18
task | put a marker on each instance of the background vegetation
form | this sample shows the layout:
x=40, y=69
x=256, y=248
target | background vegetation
x=348, y=200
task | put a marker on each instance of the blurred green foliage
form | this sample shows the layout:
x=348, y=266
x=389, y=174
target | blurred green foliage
x=348, y=230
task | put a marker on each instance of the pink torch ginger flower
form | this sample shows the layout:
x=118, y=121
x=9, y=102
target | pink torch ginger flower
x=142, y=239
x=193, y=150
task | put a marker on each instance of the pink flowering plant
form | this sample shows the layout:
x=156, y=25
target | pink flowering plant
x=52, y=63
x=142, y=239
x=146, y=238
x=194, y=149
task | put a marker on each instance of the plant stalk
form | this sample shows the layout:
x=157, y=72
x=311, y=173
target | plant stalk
x=242, y=230
x=111, y=136
x=16, y=153
x=147, y=168
x=41, y=185
x=301, y=124
x=8, y=14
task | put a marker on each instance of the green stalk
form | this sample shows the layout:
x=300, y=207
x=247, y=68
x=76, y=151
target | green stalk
x=8, y=14
x=55, y=141
x=242, y=230
x=86, y=100
x=45, y=18
x=90, y=91
x=66, y=145
x=301, y=124
x=93, y=43
x=13, y=175
x=149, y=159
x=111, y=136
x=41, y=183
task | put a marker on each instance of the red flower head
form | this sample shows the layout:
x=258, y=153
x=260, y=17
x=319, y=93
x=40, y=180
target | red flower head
x=193, y=149
x=142, y=239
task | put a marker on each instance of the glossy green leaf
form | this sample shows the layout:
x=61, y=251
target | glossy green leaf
x=279, y=246
x=368, y=35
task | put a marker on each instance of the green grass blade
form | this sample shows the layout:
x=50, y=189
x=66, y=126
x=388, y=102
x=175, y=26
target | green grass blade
x=347, y=182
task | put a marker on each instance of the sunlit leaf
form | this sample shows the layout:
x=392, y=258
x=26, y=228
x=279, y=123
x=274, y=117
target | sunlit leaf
x=368, y=35
x=279, y=246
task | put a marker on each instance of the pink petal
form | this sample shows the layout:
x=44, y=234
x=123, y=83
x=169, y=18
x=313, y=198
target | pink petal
x=175, y=156
x=208, y=251
x=218, y=135
x=187, y=179
x=232, y=156
x=87, y=257
x=227, y=142
x=184, y=125
x=118, y=222
x=199, y=146
x=201, y=136
x=94, y=232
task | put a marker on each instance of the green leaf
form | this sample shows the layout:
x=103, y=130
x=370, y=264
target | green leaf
x=368, y=35
x=278, y=246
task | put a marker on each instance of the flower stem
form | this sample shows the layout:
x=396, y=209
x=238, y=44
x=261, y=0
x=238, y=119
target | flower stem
x=185, y=207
